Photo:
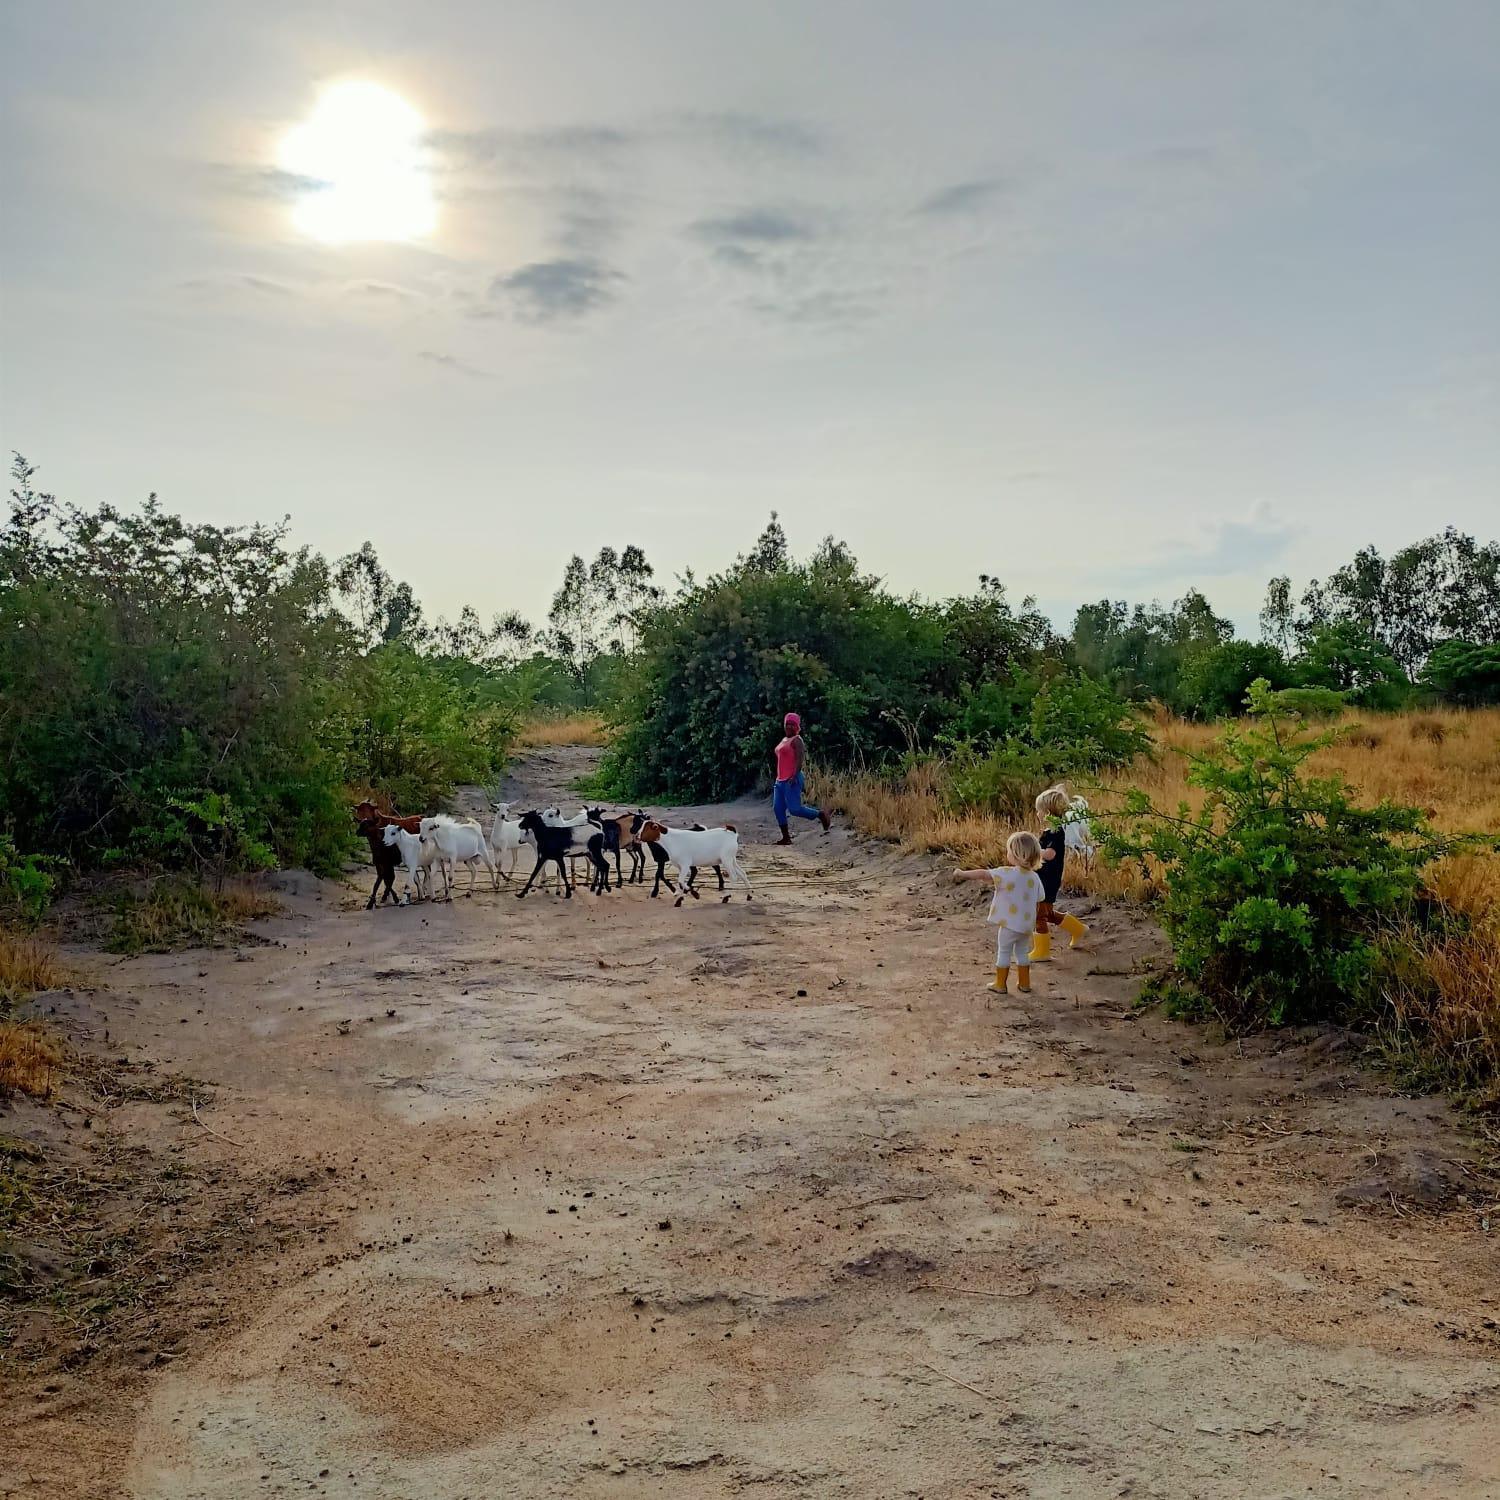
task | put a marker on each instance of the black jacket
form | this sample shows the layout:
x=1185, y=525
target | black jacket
x=1051, y=870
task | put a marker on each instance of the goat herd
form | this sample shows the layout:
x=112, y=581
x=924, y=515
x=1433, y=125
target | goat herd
x=422, y=846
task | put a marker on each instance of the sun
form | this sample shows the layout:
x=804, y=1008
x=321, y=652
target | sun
x=361, y=156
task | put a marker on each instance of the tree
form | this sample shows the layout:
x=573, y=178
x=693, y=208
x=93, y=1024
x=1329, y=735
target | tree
x=1464, y=673
x=1142, y=651
x=598, y=605
x=1215, y=681
x=381, y=608
x=1444, y=587
x=1351, y=659
x=769, y=554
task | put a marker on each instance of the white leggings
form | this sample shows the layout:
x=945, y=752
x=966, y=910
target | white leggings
x=1010, y=949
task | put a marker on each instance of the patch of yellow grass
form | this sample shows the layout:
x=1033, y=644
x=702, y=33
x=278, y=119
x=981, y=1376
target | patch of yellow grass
x=565, y=729
x=1446, y=761
x=30, y=1059
x=27, y=964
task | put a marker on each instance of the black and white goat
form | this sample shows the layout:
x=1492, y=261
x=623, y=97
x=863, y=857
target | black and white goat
x=555, y=845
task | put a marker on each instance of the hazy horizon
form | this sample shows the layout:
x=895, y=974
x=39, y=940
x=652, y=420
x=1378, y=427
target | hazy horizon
x=1103, y=302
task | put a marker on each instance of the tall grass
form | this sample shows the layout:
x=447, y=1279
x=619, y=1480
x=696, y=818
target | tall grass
x=30, y=1059
x=1442, y=1001
x=564, y=729
x=27, y=964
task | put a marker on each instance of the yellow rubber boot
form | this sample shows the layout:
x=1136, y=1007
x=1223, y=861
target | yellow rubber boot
x=1023, y=979
x=1075, y=930
x=1041, y=948
x=998, y=983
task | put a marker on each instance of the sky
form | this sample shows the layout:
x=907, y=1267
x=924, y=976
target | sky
x=1104, y=300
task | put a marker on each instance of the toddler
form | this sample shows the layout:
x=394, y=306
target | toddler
x=1055, y=809
x=1018, y=893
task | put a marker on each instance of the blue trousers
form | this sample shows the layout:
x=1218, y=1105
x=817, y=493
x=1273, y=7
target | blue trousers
x=787, y=800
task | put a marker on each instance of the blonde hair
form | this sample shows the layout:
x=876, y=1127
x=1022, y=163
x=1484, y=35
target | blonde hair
x=1054, y=802
x=1023, y=849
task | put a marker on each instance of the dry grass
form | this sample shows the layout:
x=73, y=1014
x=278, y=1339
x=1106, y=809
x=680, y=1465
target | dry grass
x=176, y=913
x=566, y=729
x=30, y=1059
x=27, y=964
x=1445, y=761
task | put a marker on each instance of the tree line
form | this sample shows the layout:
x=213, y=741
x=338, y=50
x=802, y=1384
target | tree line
x=174, y=693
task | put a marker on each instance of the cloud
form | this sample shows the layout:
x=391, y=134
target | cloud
x=963, y=197
x=549, y=291
x=380, y=291
x=266, y=182
x=764, y=226
x=452, y=363
x=1228, y=548
x=529, y=148
x=737, y=131
x=240, y=281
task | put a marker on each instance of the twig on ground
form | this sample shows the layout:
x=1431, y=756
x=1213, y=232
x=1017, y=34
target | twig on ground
x=966, y=1291
x=209, y=1128
x=956, y=1381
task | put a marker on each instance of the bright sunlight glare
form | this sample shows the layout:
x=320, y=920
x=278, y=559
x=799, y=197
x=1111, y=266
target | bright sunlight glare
x=360, y=153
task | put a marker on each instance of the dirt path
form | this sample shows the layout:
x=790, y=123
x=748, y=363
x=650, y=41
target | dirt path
x=619, y=1200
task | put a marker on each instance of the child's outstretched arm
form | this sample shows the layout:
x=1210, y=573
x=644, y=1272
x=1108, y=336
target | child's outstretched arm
x=972, y=875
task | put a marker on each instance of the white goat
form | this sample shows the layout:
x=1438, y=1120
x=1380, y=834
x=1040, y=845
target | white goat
x=459, y=843
x=506, y=838
x=699, y=848
x=1077, y=834
x=553, y=818
x=417, y=855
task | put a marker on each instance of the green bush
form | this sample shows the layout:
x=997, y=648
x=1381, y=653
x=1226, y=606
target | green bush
x=1464, y=673
x=871, y=674
x=419, y=725
x=1309, y=702
x=27, y=882
x=1346, y=657
x=1213, y=683
x=1078, y=724
x=1003, y=780
x=1280, y=891
x=191, y=696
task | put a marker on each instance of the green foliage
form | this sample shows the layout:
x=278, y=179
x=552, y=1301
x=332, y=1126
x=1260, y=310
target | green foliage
x=1079, y=724
x=192, y=696
x=1464, y=673
x=27, y=882
x=870, y=673
x=418, y=724
x=1280, y=890
x=1214, y=682
x=1348, y=658
x=1309, y=702
x=1444, y=587
x=1003, y=781
x=1142, y=652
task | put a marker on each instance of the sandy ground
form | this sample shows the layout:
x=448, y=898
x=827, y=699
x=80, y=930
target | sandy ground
x=605, y=1198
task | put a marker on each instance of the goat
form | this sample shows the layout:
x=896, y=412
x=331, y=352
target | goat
x=458, y=843
x=552, y=816
x=383, y=857
x=691, y=849
x=554, y=845
x=621, y=831
x=367, y=812
x=506, y=837
x=417, y=855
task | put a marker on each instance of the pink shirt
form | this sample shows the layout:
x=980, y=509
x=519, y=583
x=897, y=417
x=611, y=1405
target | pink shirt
x=787, y=758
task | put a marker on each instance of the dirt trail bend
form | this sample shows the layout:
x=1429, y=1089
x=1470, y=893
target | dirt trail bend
x=624, y=1200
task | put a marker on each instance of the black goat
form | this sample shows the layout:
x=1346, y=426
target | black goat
x=555, y=845
x=385, y=857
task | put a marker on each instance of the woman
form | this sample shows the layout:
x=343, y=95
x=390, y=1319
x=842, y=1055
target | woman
x=787, y=800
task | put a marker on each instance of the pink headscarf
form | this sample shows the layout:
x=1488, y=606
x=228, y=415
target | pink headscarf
x=792, y=722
